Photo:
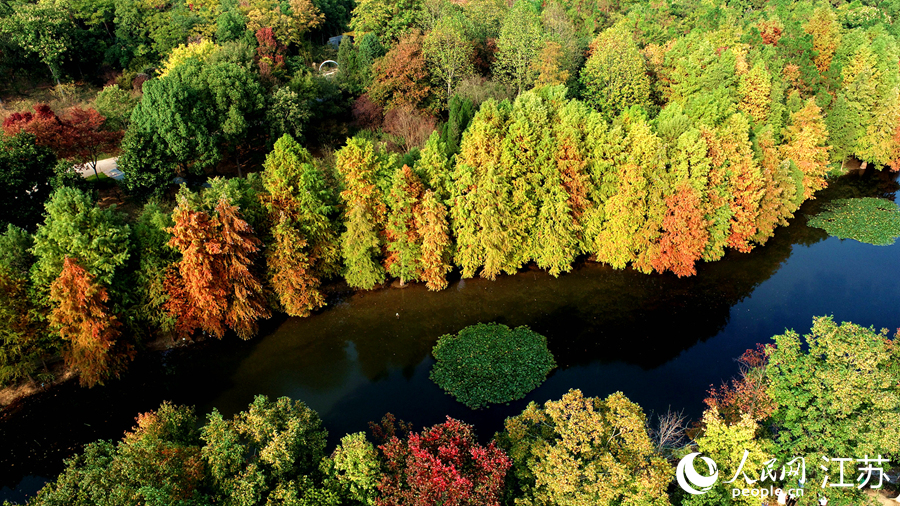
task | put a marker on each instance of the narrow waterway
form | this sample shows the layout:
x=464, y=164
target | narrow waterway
x=661, y=340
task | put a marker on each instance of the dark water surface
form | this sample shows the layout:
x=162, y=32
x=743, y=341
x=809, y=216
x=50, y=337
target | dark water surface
x=659, y=339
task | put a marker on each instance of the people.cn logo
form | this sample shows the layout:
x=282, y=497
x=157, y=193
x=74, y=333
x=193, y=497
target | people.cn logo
x=688, y=477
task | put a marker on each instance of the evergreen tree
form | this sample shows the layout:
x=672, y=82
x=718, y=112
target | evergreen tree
x=81, y=315
x=460, y=114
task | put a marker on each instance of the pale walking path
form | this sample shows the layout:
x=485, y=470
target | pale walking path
x=107, y=167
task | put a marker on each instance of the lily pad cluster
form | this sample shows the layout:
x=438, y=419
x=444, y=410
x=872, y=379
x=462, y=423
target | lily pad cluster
x=869, y=220
x=489, y=363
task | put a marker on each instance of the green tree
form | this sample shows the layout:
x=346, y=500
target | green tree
x=585, y=451
x=726, y=445
x=154, y=258
x=615, y=76
x=365, y=172
x=196, y=115
x=157, y=462
x=26, y=172
x=836, y=394
x=434, y=166
x=116, y=105
x=448, y=50
x=305, y=249
x=480, y=221
x=460, y=114
x=356, y=468
x=76, y=227
x=43, y=28
x=520, y=41
x=268, y=454
x=389, y=21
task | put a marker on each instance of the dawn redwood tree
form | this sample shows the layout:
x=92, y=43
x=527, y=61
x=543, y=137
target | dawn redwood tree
x=82, y=318
x=755, y=88
x=217, y=271
x=365, y=171
x=442, y=465
x=197, y=294
x=305, y=249
x=403, y=240
x=684, y=233
x=805, y=144
x=826, y=33
x=434, y=230
x=434, y=166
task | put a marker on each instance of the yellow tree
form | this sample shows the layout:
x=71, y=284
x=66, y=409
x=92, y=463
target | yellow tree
x=806, y=145
x=826, y=32
x=585, y=451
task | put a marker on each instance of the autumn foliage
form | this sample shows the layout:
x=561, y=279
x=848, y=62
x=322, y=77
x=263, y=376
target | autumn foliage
x=217, y=286
x=81, y=316
x=79, y=134
x=442, y=465
x=746, y=394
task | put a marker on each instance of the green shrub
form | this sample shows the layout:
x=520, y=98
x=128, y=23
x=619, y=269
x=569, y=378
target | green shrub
x=491, y=363
x=869, y=220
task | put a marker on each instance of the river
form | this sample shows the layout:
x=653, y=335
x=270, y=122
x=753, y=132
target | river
x=661, y=340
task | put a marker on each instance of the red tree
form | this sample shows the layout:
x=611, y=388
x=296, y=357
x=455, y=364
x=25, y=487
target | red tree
x=81, y=316
x=79, y=135
x=747, y=393
x=442, y=465
x=88, y=138
x=684, y=234
x=269, y=54
x=48, y=128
